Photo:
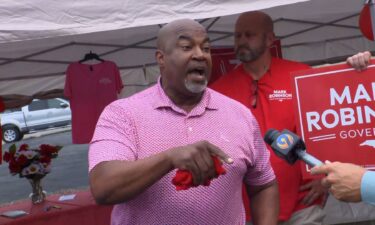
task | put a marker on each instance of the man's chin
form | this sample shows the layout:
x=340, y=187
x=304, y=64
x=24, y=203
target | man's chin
x=245, y=58
x=195, y=87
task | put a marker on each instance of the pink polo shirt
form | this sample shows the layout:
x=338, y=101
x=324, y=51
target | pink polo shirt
x=148, y=123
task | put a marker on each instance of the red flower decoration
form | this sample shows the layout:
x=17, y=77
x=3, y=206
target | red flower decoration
x=28, y=162
x=7, y=157
x=22, y=160
x=14, y=167
x=24, y=147
x=45, y=159
x=48, y=150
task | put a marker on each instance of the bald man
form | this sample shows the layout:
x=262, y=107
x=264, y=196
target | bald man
x=179, y=124
x=262, y=84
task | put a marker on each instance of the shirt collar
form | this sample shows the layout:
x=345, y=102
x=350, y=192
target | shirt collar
x=267, y=73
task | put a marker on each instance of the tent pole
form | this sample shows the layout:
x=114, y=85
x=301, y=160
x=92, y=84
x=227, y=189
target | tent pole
x=38, y=60
x=128, y=46
x=212, y=23
x=323, y=41
x=316, y=23
x=33, y=76
x=318, y=26
x=36, y=53
x=112, y=45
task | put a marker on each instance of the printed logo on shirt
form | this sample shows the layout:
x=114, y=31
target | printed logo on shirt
x=224, y=138
x=105, y=81
x=280, y=95
x=284, y=141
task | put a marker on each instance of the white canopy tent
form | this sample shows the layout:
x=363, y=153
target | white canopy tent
x=38, y=39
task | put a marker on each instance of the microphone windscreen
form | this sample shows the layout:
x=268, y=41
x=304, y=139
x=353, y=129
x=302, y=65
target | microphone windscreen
x=271, y=135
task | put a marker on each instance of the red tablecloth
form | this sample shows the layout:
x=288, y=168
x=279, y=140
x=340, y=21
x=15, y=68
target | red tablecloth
x=81, y=210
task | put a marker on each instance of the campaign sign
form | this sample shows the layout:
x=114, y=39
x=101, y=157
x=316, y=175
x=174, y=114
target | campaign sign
x=335, y=109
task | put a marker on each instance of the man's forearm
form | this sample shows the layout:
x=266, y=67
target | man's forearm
x=264, y=204
x=118, y=181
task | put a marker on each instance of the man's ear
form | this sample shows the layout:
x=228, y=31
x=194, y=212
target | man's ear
x=159, y=55
x=270, y=38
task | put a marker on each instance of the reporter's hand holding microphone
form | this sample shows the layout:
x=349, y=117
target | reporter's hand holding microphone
x=345, y=181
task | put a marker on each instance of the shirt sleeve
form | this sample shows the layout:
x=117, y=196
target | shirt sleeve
x=260, y=172
x=368, y=187
x=114, y=137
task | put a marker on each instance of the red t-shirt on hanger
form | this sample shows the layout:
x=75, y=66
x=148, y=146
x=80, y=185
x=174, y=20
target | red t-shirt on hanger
x=90, y=89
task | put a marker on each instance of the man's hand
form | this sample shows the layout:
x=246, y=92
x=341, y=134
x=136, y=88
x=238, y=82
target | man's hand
x=316, y=189
x=197, y=158
x=343, y=180
x=359, y=61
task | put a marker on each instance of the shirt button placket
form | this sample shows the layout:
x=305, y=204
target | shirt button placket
x=189, y=129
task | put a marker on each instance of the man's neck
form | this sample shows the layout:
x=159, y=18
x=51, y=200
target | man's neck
x=187, y=105
x=259, y=67
x=184, y=102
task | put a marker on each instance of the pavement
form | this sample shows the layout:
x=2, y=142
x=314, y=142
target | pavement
x=52, y=130
x=40, y=133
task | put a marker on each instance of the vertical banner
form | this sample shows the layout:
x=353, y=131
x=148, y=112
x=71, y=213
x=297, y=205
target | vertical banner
x=224, y=59
x=335, y=108
x=276, y=49
x=366, y=22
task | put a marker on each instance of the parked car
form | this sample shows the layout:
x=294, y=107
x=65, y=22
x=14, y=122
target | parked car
x=38, y=115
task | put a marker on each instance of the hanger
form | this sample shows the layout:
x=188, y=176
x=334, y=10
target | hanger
x=90, y=56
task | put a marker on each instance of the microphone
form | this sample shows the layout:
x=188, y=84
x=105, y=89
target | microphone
x=289, y=147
